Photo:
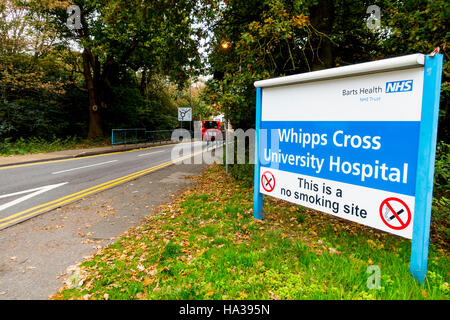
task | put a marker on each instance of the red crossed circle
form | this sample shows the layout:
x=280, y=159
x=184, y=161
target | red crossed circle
x=268, y=181
x=395, y=214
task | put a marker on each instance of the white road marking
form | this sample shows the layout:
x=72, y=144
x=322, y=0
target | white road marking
x=92, y=165
x=150, y=153
x=35, y=192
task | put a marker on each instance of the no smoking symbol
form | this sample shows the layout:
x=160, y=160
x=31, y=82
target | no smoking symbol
x=268, y=181
x=395, y=213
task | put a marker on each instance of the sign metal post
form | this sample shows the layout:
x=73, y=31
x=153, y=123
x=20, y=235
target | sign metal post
x=425, y=166
x=257, y=195
x=226, y=146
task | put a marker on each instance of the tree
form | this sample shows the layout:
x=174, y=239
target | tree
x=267, y=38
x=120, y=34
x=420, y=26
x=274, y=38
x=32, y=74
x=25, y=38
x=322, y=18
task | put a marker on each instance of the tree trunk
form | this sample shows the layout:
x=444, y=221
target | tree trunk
x=98, y=82
x=95, y=121
x=321, y=17
x=143, y=87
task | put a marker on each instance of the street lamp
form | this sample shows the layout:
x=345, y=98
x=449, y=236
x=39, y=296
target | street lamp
x=225, y=45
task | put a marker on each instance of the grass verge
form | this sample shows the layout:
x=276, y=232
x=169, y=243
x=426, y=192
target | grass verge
x=207, y=245
x=40, y=145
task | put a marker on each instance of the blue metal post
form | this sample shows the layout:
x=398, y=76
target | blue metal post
x=425, y=166
x=257, y=195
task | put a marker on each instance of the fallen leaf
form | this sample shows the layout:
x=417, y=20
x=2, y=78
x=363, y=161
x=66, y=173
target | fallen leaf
x=424, y=293
x=147, y=281
x=333, y=251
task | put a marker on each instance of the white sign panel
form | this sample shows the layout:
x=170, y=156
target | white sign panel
x=346, y=146
x=184, y=114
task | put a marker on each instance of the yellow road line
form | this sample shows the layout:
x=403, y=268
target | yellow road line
x=71, y=195
x=108, y=182
x=78, y=158
x=56, y=203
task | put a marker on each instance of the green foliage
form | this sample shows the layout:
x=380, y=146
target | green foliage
x=38, y=145
x=273, y=38
x=137, y=51
x=129, y=109
x=300, y=214
x=442, y=168
x=131, y=53
x=37, y=95
x=441, y=197
x=171, y=251
x=265, y=41
x=420, y=26
x=244, y=173
x=120, y=38
x=36, y=116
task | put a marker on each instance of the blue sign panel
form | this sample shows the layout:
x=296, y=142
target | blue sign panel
x=380, y=155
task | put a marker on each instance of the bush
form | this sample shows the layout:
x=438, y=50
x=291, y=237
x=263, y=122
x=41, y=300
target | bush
x=442, y=169
x=38, y=144
x=243, y=173
x=441, y=193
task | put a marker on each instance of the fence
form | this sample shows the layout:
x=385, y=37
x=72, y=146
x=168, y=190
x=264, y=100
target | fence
x=140, y=135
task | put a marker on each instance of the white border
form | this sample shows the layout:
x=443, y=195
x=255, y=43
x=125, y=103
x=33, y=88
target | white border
x=409, y=61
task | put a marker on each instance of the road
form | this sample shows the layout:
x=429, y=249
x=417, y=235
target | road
x=32, y=189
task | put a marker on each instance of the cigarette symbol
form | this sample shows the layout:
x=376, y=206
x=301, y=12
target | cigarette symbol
x=387, y=211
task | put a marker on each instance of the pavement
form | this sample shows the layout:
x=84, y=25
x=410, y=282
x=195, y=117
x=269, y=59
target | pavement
x=67, y=154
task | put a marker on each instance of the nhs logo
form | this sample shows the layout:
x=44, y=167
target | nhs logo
x=399, y=86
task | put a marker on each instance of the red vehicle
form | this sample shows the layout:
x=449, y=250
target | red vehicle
x=212, y=130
